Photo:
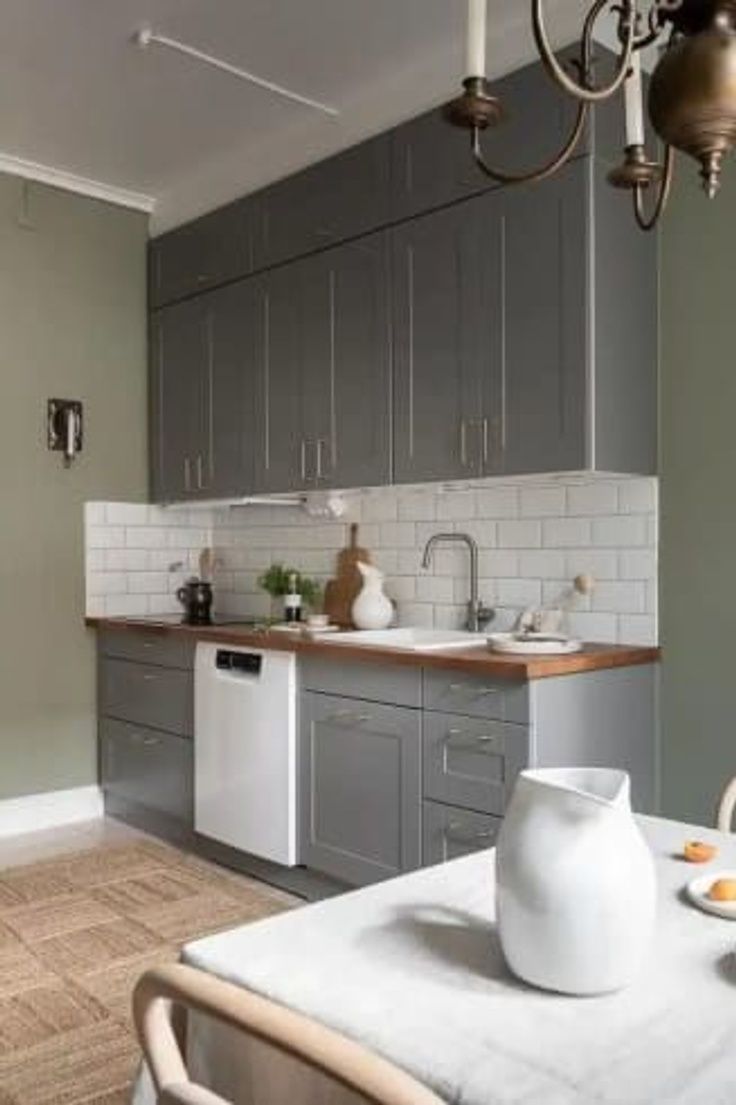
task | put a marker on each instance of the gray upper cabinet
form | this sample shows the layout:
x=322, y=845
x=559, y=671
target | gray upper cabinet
x=448, y=342
x=347, y=365
x=323, y=365
x=203, y=395
x=180, y=354
x=361, y=793
x=546, y=294
x=330, y=202
x=431, y=160
x=200, y=255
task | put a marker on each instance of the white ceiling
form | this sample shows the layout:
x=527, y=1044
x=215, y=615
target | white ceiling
x=78, y=97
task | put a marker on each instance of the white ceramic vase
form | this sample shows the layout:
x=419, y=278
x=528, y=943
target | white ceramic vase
x=372, y=609
x=576, y=886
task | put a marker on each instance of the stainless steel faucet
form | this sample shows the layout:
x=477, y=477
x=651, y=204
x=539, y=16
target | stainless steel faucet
x=479, y=615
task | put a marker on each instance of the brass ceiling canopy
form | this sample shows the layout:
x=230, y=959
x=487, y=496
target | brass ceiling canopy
x=692, y=92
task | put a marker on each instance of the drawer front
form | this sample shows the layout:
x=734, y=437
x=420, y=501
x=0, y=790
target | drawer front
x=166, y=650
x=462, y=694
x=160, y=698
x=472, y=763
x=149, y=768
x=448, y=833
x=371, y=682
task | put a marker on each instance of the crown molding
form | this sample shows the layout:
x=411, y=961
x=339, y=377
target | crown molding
x=70, y=182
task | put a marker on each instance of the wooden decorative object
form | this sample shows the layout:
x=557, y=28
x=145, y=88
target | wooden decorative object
x=341, y=592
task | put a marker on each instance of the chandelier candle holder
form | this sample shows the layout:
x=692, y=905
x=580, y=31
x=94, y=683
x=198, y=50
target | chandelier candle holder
x=691, y=102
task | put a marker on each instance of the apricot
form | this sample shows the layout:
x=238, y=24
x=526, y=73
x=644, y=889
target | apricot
x=696, y=851
x=723, y=890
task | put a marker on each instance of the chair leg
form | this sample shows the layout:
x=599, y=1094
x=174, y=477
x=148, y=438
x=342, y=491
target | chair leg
x=726, y=808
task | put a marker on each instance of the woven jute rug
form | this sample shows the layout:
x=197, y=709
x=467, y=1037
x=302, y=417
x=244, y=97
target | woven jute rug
x=75, y=934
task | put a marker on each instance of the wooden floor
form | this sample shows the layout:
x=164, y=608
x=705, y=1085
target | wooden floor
x=82, y=913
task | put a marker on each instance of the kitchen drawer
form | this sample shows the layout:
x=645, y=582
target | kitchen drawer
x=471, y=762
x=455, y=693
x=160, y=698
x=151, y=769
x=202, y=254
x=166, y=650
x=369, y=681
x=448, y=833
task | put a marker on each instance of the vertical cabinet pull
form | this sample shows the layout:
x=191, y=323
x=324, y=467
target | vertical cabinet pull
x=484, y=434
x=464, y=442
x=187, y=474
x=303, y=460
x=200, y=479
x=320, y=447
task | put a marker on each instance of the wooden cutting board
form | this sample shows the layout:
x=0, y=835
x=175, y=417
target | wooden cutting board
x=341, y=592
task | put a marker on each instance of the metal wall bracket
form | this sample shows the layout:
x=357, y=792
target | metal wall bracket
x=65, y=428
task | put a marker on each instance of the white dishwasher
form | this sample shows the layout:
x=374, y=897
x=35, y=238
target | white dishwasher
x=245, y=750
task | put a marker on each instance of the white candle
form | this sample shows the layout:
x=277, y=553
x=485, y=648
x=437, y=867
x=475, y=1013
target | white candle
x=476, y=55
x=634, y=105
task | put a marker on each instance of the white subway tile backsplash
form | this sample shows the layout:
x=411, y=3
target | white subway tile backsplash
x=534, y=537
x=497, y=502
x=541, y=502
x=561, y=533
x=620, y=532
x=519, y=535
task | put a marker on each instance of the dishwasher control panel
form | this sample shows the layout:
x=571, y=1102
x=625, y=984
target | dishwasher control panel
x=240, y=663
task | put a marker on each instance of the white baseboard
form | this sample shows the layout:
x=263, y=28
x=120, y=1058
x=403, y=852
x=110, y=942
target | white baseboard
x=49, y=811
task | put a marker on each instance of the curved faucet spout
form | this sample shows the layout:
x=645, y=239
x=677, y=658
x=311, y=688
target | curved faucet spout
x=479, y=615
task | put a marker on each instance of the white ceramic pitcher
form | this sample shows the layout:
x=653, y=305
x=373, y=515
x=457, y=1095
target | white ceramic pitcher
x=372, y=609
x=576, y=887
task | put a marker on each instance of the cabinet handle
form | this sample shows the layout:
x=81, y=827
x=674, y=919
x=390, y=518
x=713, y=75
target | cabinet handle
x=484, y=740
x=200, y=478
x=148, y=677
x=150, y=741
x=187, y=474
x=320, y=446
x=464, y=442
x=303, y=460
x=484, y=425
x=349, y=715
x=457, y=834
x=455, y=688
x=488, y=690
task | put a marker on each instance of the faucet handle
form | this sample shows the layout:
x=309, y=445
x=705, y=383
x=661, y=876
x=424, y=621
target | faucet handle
x=485, y=615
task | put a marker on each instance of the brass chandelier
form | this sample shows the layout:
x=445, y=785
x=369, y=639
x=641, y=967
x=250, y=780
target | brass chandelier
x=692, y=92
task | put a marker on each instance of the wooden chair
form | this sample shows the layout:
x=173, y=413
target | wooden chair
x=726, y=808
x=170, y=989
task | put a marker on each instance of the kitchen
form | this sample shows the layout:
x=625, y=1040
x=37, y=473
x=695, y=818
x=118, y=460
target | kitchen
x=373, y=353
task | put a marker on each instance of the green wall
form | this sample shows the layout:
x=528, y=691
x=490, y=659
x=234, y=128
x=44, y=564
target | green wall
x=72, y=325
x=698, y=536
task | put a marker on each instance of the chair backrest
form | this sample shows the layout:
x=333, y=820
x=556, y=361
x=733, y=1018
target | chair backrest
x=726, y=807
x=342, y=1061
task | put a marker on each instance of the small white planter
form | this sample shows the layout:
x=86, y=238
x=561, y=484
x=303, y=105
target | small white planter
x=576, y=887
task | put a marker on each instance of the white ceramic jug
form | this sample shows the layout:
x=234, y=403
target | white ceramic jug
x=372, y=609
x=576, y=887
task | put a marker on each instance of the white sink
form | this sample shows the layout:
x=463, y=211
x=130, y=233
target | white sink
x=412, y=640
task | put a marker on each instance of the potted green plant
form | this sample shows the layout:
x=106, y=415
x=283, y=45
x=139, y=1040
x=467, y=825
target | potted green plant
x=275, y=582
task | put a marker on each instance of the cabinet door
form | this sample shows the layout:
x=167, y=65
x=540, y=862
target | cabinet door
x=180, y=354
x=202, y=254
x=151, y=769
x=448, y=335
x=432, y=164
x=547, y=277
x=327, y=203
x=448, y=832
x=361, y=792
x=232, y=391
x=347, y=364
x=280, y=445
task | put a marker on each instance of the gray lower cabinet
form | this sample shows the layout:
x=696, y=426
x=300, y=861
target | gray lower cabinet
x=148, y=769
x=361, y=792
x=472, y=763
x=449, y=833
x=145, y=729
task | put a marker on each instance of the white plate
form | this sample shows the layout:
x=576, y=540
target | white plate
x=547, y=644
x=697, y=892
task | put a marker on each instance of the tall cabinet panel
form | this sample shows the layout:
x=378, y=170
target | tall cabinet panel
x=547, y=344
x=180, y=357
x=280, y=453
x=346, y=365
x=232, y=391
x=448, y=335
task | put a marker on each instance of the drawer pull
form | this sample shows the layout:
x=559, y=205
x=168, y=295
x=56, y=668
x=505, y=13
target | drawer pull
x=488, y=690
x=471, y=740
x=149, y=678
x=148, y=644
x=149, y=741
x=349, y=715
x=456, y=833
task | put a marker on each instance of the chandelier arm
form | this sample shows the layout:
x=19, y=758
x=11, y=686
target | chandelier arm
x=665, y=186
x=556, y=71
x=545, y=171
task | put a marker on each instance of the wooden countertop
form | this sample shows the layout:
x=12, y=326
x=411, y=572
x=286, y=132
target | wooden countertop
x=472, y=661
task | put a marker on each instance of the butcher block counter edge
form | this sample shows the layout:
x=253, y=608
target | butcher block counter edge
x=471, y=661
